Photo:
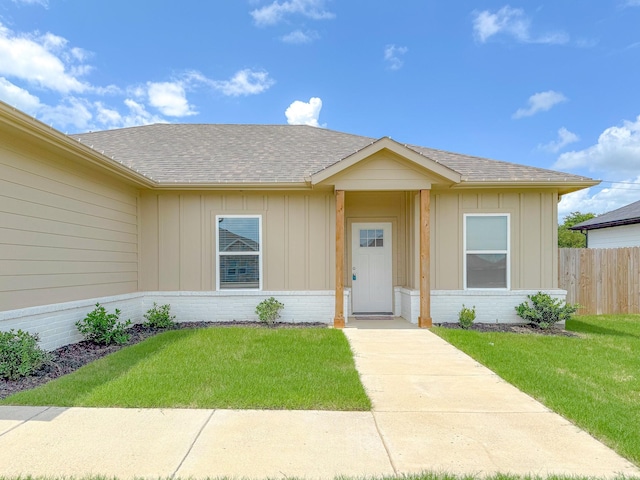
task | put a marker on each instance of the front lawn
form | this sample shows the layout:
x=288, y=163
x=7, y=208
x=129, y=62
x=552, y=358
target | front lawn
x=239, y=368
x=593, y=380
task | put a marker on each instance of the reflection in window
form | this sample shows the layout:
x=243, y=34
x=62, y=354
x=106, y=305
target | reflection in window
x=239, y=252
x=372, y=238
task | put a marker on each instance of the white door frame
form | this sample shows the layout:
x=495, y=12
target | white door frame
x=372, y=269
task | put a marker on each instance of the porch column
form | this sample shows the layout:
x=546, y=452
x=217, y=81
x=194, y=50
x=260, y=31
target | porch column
x=338, y=321
x=424, y=320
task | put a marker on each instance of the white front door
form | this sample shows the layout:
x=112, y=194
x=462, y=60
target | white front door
x=371, y=272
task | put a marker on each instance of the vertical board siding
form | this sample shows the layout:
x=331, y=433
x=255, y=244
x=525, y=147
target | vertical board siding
x=533, y=242
x=67, y=232
x=601, y=280
x=178, y=235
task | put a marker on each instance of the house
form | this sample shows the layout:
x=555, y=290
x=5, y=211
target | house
x=215, y=218
x=615, y=229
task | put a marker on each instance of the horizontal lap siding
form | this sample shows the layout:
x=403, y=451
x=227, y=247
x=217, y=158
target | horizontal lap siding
x=66, y=232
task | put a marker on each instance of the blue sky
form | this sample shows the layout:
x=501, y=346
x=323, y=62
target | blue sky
x=551, y=84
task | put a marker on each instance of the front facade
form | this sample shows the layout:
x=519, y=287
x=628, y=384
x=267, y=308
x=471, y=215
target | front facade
x=213, y=219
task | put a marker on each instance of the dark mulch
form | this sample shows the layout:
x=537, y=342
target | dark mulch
x=512, y=328
x=71, y=357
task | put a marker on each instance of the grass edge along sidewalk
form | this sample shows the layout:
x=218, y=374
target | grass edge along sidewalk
x=417, y=476
x=236, y=368
x=592, y=380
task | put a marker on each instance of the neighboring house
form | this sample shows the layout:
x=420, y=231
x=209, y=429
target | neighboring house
x=214, y=218
x=615, y=229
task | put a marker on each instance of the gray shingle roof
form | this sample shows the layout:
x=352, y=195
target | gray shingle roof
x=627, y=215
x=218, y=154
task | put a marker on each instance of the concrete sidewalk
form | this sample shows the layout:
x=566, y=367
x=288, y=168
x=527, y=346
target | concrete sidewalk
x=434, y=409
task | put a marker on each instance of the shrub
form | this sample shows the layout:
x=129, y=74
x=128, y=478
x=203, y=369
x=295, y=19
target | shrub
x=545, y=311
x=269, y=311
x=104, y=328
x=159, y=316
x=20, y=354
x=467, y=316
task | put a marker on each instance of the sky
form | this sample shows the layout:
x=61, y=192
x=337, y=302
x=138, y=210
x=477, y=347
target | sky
x=551, y=84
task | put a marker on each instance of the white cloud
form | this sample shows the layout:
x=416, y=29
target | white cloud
x=244, y=82
x=44, y=3
x=277, y=11
x=540, y=102
x=598, y=201
x=71, y=112
x=617, y=151
x=170, y=98
x=300, y=37
x=514, y=23
x=631, y=3
x=43, y=60
x=565, y=137
x=393, y=54
x=18, y=97
x=304, y=113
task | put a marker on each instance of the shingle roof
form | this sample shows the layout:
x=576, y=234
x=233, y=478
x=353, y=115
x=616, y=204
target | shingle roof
x=627, y=215
x=219, y=154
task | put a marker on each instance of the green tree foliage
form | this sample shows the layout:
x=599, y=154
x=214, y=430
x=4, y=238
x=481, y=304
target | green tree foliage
x=572, y=238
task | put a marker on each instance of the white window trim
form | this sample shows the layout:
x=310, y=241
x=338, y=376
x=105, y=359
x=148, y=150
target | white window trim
x=488, y=252
x=259, y=254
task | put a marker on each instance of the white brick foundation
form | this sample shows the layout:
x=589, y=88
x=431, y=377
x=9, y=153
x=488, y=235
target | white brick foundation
x=491, y=306
x=56, y=323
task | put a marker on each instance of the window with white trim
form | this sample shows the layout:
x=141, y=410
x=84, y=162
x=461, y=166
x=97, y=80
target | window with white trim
x=486, y=251
x=239, y=252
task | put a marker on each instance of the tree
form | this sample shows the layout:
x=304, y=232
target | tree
x=571, y=238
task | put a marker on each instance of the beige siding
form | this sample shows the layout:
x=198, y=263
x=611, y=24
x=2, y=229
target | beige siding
x=178, y=238
x=533, y=235
x=67, y=232
x=383, y=171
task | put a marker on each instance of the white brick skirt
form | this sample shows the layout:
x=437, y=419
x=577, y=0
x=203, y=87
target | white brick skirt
x=55, y=323
x=492, y=306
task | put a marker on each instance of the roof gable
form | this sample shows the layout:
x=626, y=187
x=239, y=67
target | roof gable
x=385, y=164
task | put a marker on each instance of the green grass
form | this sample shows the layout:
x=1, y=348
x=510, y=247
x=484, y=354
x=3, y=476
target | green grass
x=593, y=380
x=241, y=368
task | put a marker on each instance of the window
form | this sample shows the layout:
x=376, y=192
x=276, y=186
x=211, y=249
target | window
x=486, y=244
x=372, y=238
x=239, y=252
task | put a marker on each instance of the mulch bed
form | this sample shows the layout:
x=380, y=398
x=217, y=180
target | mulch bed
x=69, y=358
x=512, y=328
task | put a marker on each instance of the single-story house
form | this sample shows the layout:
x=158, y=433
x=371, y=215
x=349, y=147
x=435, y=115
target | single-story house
x=616, y=229
x=215, y=218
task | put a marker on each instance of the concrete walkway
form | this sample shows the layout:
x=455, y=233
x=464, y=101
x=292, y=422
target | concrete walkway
x=434, y=409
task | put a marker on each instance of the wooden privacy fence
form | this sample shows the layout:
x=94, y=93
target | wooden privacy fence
x=601, y=280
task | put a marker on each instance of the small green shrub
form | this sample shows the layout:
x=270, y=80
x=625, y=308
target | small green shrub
x=467, y=316
x=544, y=311
x=20, y=355
x=159, y=316
x=104, y=328
x=269, y=311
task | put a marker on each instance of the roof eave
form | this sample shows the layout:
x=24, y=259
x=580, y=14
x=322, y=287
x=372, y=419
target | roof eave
x=14, y=118
x=614, y=223
x=563, y=187
x=232, y=186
